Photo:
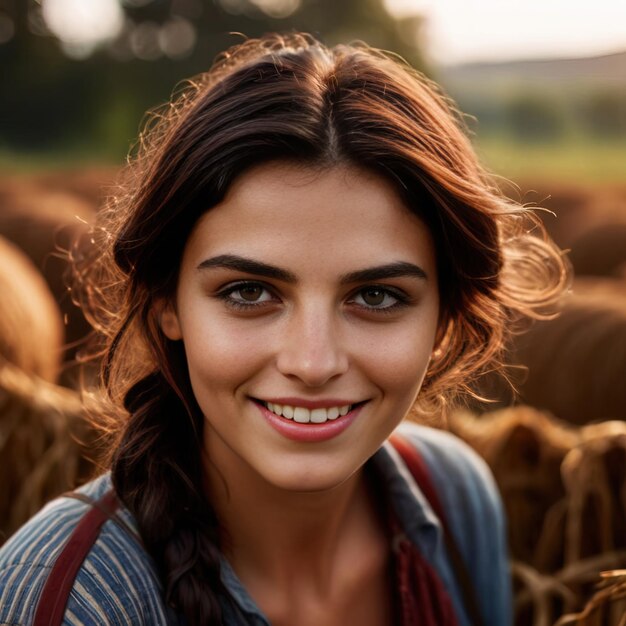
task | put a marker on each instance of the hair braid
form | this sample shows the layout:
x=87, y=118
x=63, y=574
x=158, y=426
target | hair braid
x=157, y=474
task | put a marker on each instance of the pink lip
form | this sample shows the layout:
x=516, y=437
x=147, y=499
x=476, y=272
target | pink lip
x=309, y=432
x=327, y=403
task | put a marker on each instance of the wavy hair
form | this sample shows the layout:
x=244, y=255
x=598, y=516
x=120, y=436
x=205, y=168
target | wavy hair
x=286, y=97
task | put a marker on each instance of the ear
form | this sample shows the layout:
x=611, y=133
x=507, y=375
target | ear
x=168, y=320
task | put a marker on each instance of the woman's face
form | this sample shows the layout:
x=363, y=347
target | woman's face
x=307, y=304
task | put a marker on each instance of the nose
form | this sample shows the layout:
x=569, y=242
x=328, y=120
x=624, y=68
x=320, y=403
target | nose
x=311, y=348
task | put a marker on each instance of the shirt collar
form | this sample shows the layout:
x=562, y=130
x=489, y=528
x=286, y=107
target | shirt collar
x=415, y=514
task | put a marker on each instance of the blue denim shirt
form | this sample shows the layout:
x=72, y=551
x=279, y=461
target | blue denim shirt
x=118, y=584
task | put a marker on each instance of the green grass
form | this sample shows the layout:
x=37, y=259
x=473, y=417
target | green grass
x=575, y=160
x=36, y=162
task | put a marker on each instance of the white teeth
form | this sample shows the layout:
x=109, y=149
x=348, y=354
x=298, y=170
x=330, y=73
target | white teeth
x=319, y=416
x=304, y=416
x=301, y=415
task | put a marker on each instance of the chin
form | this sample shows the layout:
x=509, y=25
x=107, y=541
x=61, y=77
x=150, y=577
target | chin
x=310, y=480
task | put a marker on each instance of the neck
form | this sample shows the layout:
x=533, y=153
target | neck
x=280, y=534
x=299, y=554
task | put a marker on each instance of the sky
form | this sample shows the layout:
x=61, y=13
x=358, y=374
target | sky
x=460, y=31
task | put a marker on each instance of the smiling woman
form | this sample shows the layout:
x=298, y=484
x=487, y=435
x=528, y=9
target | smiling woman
x=291, y=325
x=305, y=253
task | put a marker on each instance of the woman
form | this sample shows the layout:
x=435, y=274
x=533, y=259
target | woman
x=306, y=243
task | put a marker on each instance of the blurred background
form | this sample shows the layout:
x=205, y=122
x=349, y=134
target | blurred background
x=545, y=80
x=543, y=87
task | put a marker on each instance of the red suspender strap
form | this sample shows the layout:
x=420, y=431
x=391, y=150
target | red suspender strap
x=419, y=470
x=56, y=591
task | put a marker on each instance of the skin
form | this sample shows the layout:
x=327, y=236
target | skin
x=301, y=530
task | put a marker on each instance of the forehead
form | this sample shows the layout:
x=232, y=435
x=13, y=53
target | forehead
x=300, y=214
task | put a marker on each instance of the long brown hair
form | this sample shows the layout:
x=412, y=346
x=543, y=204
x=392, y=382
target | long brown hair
x=287, y=97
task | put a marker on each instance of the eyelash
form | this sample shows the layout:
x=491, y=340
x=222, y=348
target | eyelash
x=226, y=294
x=401, y=298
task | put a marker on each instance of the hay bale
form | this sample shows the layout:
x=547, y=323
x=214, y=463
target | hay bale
x=525, y=448
x=606, y=607
x=41, y=424
x=594, y=473
x=44, y=224
x=31, y=328
x=46, y=445
x=600, y=251
x=573, y=365
x=564, y=490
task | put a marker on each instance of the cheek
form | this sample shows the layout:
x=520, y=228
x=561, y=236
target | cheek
x=402, y=369
x=397, y=362
x=220, y=356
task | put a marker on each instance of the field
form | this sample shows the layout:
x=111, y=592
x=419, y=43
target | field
x=577, y=160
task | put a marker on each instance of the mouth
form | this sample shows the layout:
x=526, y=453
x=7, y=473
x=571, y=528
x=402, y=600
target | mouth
x=303, y=415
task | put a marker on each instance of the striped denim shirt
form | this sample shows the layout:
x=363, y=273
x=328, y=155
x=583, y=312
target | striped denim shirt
x=118, y=585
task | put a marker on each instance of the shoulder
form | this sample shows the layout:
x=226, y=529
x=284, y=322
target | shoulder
x=474, y=512
x=457, y=470
x=116, y=583
x=463, y=482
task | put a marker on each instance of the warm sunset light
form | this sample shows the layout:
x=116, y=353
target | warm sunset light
x=83, y=24
x=458, y=31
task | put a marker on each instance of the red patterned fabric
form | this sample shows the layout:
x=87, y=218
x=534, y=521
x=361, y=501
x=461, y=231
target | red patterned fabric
x=422, y=598
x=419, y=471
x=51, y=604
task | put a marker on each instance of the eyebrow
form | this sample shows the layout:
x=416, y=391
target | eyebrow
x=250, y=266
x=390, y=270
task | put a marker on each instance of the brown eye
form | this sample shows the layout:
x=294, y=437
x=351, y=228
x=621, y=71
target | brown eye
x=382, y=299
x=250, y=293
x=373, y=297
x=246, y=295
